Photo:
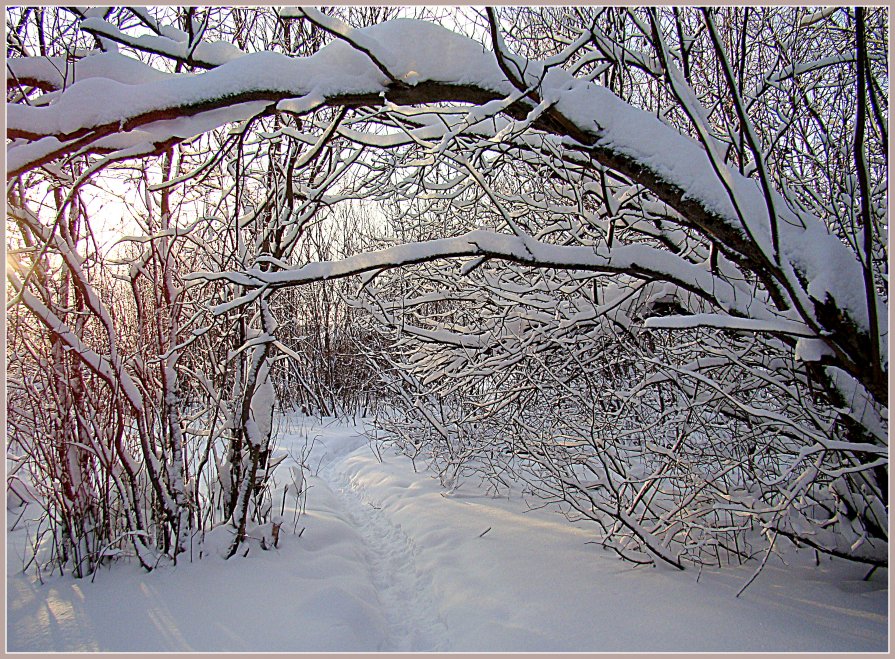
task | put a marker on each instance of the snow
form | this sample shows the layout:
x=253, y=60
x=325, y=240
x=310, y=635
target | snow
x=417, y=50
x=175, y=43
x=262, y=407
x=76, y=109
x=811, y=350
x=733, y=323
x=57, y=71
x=186, y=127
x=20, y=155
x=388, y=560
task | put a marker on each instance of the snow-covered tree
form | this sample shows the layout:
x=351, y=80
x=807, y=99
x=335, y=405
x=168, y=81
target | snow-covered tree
x=637, y=258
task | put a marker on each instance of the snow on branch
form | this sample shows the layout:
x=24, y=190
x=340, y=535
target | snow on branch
x=54, y=73
x=721, y=321
x=638, y=260
x=204, y=54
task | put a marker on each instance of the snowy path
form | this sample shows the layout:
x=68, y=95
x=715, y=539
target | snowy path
x=418, y=573
x=413, y=621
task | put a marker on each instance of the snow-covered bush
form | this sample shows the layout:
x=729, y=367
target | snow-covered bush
x=635, y=257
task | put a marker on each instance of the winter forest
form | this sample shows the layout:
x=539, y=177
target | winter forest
x=592, y=292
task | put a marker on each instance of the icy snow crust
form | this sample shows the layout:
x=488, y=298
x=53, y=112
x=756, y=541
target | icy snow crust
x=390, y=561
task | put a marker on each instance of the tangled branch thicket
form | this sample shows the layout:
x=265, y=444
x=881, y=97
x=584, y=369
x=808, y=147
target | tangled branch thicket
x=634, y=259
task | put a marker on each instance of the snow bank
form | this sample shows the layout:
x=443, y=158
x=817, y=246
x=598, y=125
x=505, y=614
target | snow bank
x=532, y=583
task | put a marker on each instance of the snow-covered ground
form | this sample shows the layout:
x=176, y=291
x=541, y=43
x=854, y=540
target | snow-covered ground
x=389, y=561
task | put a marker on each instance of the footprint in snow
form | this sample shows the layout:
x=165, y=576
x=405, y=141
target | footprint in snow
x=406, y=597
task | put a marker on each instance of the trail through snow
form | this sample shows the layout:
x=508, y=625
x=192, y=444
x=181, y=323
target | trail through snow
x=383, y=559
x=405, y=594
